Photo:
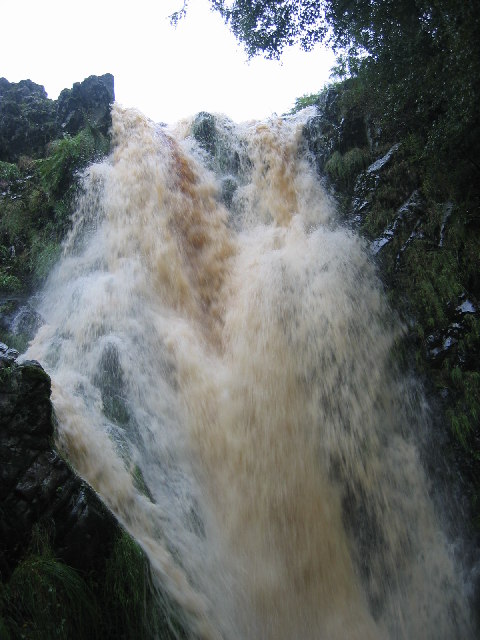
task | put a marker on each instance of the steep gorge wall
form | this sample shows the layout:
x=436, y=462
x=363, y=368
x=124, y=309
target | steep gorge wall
x=426, y=247
x=67, y=566
x=44, y=146
x=422, y=223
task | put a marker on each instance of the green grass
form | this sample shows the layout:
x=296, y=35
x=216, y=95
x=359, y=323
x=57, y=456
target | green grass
x=39, y=197
x=44, y=598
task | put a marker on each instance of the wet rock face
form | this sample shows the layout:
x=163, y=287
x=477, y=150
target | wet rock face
x=334, y=129
x=205, y=131
x=37, y=486
x=424, y=239
x=87, y=102
x=224, y=158
x=29, y=120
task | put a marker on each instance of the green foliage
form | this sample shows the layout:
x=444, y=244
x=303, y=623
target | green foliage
x=8, y=172
x=419, y=59
x=433, y=282
x=68, y=156
x=126, y=588
x=307, y=100
x=135, y=609
x=36, y=204
x=4, y=631
x=8, y=282
x=343, y=169
x=269, y=26
x=45, y=598
x=465, y=416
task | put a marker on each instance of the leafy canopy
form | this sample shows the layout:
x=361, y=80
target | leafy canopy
x=420, y=59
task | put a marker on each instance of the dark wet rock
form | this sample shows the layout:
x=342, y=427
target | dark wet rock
x=447, y=212
x=321, y=138
x=334, y=129
x=381, y=163
x=37, y=486
x=442, y=342
x=466, y=307
x=27, y=120
x=204, y=131
x=224, y=157
x=19, y=322
x=87, y=103
x=228, y=187
x=110, y=380
x=25, y=321
x=408, y=216
x=367, y=182
x=43, y=500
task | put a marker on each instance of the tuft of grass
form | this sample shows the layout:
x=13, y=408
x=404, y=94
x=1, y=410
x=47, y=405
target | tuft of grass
x=307, y=100
x=69, y=155
x=46, y=599
x=344, y=169
x=8, y=172
x=135, y=607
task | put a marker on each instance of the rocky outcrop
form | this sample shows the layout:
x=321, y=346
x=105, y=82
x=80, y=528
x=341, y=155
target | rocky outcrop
x=424, y=234
x=67, y=567
x=87, y=103
x=29, y=120
x=334, y=129
x=44, y=147
x=37, y=486
x=223, y=152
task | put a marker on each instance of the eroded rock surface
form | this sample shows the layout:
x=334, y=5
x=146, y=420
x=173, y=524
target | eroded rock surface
x=37, y=485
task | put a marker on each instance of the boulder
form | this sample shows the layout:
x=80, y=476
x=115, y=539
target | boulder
x=216, y=139
x=37, y=486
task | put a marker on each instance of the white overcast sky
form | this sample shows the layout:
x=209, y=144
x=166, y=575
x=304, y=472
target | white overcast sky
x=165, y=72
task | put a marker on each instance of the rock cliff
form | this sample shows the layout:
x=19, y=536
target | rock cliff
x=423, y=232
x=67, y=567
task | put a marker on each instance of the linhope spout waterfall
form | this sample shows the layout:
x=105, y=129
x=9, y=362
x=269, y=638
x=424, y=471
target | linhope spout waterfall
x=223, y=378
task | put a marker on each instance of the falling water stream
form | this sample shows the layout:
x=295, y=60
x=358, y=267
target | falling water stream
x=223, y=377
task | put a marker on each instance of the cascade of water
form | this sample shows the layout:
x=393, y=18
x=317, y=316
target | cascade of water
x=224, y=380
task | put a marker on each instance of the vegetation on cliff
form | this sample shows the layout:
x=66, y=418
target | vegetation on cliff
x=397, y=140
x=44, y=146
x=67, y=567
x=423, y=230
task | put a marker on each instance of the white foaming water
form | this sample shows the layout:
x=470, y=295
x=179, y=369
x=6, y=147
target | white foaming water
x=238, y=365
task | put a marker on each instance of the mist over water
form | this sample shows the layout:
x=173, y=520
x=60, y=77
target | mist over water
x=224, y=379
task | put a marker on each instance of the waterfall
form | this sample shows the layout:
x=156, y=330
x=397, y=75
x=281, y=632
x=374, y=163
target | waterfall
x=223, y=377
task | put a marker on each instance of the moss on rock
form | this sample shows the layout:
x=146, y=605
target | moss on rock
x=421, y=212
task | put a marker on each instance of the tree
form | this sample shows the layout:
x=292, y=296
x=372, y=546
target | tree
x=419, y=59
x=267, y=26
